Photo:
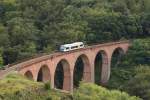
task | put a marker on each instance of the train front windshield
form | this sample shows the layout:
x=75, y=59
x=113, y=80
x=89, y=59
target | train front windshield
x=61, y=48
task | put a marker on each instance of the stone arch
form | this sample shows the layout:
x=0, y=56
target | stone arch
x=117, y=55
x=116, y=60
x=43, y=74
x=120, y=49
x=29, y=75
x=62, y=78
x=100, y=63
x=82, y=70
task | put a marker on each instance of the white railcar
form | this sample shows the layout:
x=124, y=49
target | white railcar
x=72, y=46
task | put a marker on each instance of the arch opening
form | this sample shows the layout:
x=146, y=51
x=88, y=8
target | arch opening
x=29, y=75
x=116, y=57
x=100, y=62
x=62, y=78
x=43, y=74
x=82, y=70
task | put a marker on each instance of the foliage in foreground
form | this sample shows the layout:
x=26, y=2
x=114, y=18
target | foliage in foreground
x=128, y=76
x=138, y=54
x=140, y=84
x=89, y=91
x=16, y=87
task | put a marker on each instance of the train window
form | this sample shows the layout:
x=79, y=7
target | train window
x=74, y=47
x=81, y=45
x=61, y=49
x=67, y=48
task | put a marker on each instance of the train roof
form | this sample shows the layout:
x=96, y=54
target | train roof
x=72, y=44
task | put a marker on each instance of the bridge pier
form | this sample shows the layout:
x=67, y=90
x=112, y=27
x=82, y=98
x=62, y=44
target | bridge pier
x=52, y=81
x=106, y=68
x=92, y=64
x=72, y=85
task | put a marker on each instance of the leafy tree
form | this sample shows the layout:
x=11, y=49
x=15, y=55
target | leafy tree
x=138, y=54
x=4, y=37
x=139, y=85
x=146, y=23
x=73, y=28
x=46, y=24
x=20, y=31
x=103, y=25
x=10, y=55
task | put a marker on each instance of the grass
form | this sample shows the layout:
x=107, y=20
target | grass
x=9, y=1
x=17, y=87
x=15, y=83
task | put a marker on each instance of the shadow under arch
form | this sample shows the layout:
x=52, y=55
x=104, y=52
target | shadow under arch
x=43, y=74
x=117, y=56
x=29, y=75
x=101, y=61
x=82, y=70
x=116, y=59
x=62, y=78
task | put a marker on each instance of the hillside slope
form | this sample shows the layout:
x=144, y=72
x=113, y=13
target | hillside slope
x=17, y=87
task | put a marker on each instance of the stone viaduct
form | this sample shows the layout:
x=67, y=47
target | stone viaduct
x=44, y=68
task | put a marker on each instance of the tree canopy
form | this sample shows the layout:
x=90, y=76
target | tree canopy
x=28, y=27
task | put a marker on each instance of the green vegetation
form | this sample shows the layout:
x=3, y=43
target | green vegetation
x=139, y=84
x=138, y=53
x=89, y=91
x=28, y=27
x=132, y=74
x=47, y=86
x=1, y=58
x=16, y=87
x=14, y=83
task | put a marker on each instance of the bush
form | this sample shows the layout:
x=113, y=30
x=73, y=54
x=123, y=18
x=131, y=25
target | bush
x=47, y=85
x=137, y=54
x=140, y=84
x=17, y=87
x=89, y=91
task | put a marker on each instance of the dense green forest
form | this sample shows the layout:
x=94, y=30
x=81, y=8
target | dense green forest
x=31, y=27
x=132, y=74
x=28, y=27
